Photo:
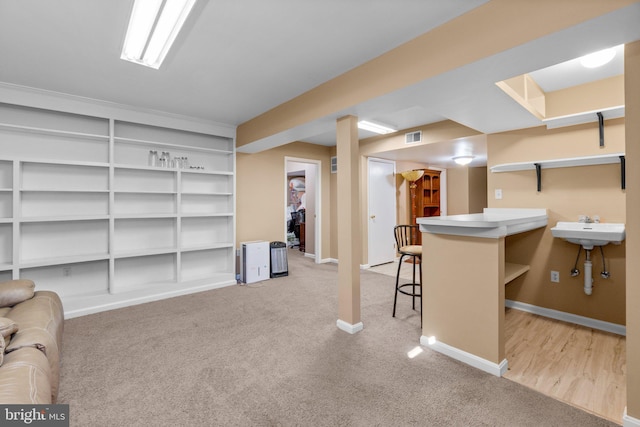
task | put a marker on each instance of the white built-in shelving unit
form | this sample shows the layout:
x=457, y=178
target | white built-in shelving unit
x=83, y=214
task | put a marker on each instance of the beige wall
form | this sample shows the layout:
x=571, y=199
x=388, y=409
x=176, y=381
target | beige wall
x=592, y=96
x=457, y=191
x=632, y=133
x=260, y=182
x=466, y=190
x=477, y=189
x=566, y=194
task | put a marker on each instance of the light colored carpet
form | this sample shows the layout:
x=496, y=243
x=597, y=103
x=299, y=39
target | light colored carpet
x=272, y=355
x=391, y=269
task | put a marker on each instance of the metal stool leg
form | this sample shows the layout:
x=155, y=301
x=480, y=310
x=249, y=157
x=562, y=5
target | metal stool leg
x=413, y=303
x=420, y=292
x=395, y=298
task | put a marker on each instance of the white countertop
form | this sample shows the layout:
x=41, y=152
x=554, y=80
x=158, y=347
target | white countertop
x=492, y=223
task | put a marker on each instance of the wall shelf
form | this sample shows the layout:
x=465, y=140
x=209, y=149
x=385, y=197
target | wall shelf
x=512, y=271
x=206, y=215
x=44, y=131
x=602, y=159
x=67, y=163
x=62, y=218
x=207, y=247
x=169, y=145
x=585, y=117
x=146, y=252
x=62, y=260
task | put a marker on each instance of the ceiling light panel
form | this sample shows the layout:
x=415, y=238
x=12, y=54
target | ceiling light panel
x=153, y=27
x=375, y=127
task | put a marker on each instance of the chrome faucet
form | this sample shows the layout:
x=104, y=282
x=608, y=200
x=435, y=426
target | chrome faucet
x=588, y=220
x=585, y=219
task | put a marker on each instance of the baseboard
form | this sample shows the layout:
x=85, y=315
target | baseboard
x=83, y=305
x=364, y=266
x=326, y=260
x=568, y=317
x=348, y=327
x=629, y=421
x=470, y=359
x=308, y=255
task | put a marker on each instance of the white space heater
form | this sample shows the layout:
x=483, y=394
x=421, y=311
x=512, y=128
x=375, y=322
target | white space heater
x=254, y=261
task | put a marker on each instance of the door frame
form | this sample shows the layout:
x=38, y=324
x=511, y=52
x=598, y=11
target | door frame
x=395, y=201
x=318, y=201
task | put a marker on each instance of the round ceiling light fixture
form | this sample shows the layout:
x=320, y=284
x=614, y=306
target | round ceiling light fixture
x=463, y=160
x=598, y=59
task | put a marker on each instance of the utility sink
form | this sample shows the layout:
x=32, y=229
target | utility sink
x=589, y=234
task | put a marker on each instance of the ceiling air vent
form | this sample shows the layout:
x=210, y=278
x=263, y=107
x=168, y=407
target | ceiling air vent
x=334, y=164
x=411, y=137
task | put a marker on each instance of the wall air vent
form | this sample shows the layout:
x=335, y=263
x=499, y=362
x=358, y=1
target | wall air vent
x=411, y=137
x=334, y=164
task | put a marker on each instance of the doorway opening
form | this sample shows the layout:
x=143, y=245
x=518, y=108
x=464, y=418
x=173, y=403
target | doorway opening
x=303, y=206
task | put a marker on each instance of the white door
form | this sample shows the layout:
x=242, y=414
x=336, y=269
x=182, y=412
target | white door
x=382, y=211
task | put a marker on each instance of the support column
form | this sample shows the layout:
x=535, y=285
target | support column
x=348, y=225
x=632, y=158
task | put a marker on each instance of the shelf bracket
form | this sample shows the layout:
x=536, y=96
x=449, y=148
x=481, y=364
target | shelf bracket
x=623, y=183
x=601, y=127
x=539, y=176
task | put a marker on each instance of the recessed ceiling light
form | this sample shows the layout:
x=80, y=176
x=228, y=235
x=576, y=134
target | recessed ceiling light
x=598, y=59
x=153, y=27
x=375, y=127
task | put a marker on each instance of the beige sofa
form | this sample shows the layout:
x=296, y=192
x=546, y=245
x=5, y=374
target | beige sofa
x=31, y=325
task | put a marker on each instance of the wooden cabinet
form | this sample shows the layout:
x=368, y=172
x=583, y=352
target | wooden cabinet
x=427, y=196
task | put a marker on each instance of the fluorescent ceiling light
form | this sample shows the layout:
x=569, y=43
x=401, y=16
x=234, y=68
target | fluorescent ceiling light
x=374, y=127
x=598, y=59
x=153, y=27
x=463, y=160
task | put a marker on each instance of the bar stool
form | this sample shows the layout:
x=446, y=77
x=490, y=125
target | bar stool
x=404, y=235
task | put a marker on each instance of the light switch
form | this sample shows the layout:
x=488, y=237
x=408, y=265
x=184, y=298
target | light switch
x=498, y=193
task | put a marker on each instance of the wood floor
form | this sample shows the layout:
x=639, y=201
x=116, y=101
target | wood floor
x=581, y=366
x=578, y=365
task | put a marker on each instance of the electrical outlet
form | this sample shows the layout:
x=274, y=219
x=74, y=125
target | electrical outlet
x=66, y=271
x=555, y=276
x=498, y=193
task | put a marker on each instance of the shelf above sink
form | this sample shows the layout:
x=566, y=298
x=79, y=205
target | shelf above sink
x=589, y=234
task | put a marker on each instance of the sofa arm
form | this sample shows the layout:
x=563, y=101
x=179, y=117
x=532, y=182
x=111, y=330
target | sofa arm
x=24, y=378
x=40, y=325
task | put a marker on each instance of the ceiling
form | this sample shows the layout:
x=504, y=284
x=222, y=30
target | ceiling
x=237, y=59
